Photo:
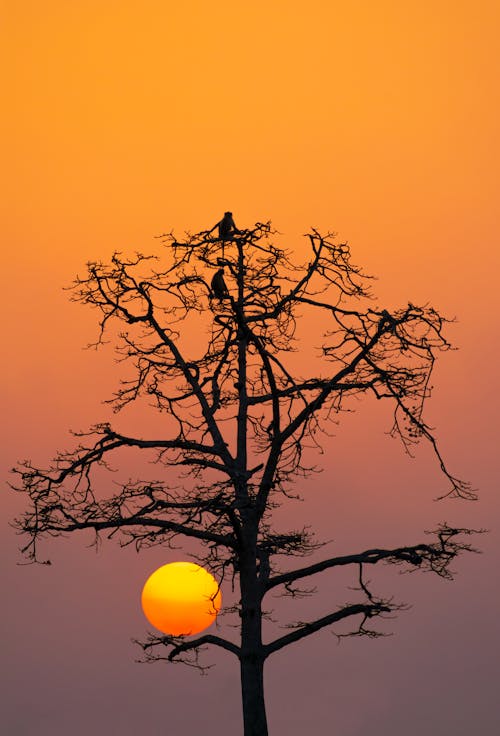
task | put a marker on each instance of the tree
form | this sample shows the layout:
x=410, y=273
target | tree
x=240, y=420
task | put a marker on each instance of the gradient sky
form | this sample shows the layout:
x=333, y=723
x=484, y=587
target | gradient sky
x=378, y=120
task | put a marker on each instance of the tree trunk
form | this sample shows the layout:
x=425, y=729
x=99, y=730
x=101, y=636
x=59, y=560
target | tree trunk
x=252, y=691
x=252, y=650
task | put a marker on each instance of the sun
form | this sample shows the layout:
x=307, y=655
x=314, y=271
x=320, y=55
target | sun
x=181, y=598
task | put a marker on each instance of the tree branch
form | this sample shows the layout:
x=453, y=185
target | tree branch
x=435, y=556
x=180, y=647
x=368, y=610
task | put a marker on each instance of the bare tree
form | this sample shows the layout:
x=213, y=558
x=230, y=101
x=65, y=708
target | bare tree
x=241, y=420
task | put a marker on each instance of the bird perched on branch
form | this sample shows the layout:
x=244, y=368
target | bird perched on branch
x=219, y=288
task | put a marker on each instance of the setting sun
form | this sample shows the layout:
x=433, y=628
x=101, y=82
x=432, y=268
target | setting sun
x=181, y=598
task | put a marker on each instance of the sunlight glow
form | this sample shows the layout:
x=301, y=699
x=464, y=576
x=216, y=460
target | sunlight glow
x=181, y=598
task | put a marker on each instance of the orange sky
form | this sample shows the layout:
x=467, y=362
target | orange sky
x=378, y=120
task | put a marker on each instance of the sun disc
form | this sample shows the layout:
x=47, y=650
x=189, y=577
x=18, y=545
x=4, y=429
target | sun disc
x=181, y=598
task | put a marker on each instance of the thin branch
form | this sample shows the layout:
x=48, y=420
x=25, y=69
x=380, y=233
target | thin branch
x=366, y=609
x=437, y=556
x=181, y=647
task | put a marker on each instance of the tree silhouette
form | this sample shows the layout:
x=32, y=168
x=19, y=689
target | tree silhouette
x=240, y=420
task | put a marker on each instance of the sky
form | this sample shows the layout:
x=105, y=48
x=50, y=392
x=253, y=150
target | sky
x=379, y=121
